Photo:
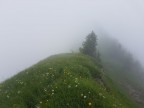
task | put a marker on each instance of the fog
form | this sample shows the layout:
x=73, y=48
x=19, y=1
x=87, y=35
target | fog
x=32, y=30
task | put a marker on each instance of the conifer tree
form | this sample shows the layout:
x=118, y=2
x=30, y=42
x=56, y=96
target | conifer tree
x=89, y=46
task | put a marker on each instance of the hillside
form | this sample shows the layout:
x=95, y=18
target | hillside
x=62, y=81
x=122, y=68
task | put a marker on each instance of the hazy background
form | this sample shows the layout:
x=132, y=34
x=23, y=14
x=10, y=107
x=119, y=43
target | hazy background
x=31, y=30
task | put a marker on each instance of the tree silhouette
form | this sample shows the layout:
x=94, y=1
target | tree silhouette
x=89, y=46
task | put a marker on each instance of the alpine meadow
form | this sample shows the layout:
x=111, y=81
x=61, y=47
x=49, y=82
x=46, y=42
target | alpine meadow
x=71, y=53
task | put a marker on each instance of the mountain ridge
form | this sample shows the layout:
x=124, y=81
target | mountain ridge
x=62, y=81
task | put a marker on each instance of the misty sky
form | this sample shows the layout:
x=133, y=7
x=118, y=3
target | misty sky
x=31, y=30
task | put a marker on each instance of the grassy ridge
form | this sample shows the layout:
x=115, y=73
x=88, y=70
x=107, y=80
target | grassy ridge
x=62, y=81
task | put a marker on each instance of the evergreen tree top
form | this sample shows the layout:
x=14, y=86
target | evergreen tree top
x=89, y=45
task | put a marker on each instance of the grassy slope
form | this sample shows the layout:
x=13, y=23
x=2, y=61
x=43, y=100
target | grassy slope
x=62, y=81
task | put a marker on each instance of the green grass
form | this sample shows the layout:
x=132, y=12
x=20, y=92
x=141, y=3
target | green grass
x=62, y=81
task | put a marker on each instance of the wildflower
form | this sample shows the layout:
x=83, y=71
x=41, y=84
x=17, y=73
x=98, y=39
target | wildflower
x=81, y=94
x=45, y=89
x=89, y=103
x=69, y=86
x=76, y=85
x=18, y=92
x=76, y=80
x=50, y=68
x=40, y=102
x=89, y=92
x=104, y=97
x=52, y=90
x=7, y=96
x=84, y=97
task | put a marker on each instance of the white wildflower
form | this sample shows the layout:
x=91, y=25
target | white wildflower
x=84, y=97
x=7, y=96
x=19, y=92
x=104, y=97
x=40, y=102
x=69, y=86
x=89, y=103
x=81, y=94
x=45, y=89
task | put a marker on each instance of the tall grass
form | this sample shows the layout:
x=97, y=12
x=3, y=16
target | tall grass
x=61, y=81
